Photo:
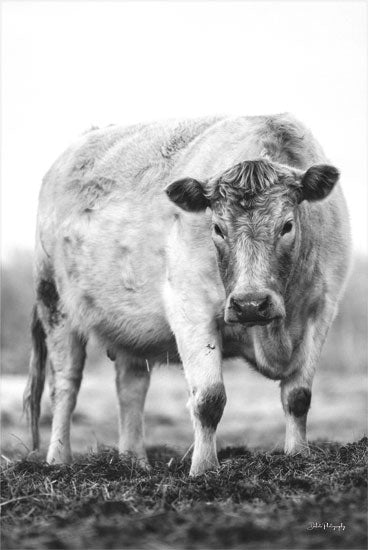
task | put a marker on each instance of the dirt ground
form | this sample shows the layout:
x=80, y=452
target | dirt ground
x=256, y=500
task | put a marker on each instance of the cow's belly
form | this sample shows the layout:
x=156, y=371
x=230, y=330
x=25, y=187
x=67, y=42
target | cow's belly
x=149, y=338
x=122, y=320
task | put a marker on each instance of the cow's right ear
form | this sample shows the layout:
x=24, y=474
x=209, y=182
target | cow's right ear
x=189, y=194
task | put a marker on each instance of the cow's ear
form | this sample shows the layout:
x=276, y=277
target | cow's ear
x=318, y=182
x=189, y=194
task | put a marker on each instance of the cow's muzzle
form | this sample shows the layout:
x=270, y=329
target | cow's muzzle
x=254, y=308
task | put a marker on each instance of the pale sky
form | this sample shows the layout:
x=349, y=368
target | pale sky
x=68, y=65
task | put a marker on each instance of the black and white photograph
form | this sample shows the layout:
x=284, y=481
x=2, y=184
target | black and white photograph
x=184, y=292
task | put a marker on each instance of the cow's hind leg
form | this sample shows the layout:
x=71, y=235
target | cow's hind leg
x=132, y=383
x=66, y=349
x=67, y=357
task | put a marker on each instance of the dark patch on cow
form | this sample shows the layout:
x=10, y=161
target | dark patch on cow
x=284, y=264
x=123, y=249
x=183, y=135
x=299, y=401
x=83, y=164
x=174, y=145
x=316, y=307
x=47, y=294
x=52, y=384
x=92, y=193
x=89, y=300
x=72, y=249
x=210, y=405
x=144, y=171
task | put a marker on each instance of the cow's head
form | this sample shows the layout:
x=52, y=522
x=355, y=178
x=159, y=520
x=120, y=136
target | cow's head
x=256, y=230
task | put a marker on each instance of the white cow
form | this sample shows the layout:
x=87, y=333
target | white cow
x=247, y=259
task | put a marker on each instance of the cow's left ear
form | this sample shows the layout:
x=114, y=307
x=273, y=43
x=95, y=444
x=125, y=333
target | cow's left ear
x=189, y=194
x=318, y=182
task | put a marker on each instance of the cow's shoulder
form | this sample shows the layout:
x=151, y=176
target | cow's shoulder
x=192, y=275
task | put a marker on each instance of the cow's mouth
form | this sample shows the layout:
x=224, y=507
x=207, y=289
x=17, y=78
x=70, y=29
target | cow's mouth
x=248, y=323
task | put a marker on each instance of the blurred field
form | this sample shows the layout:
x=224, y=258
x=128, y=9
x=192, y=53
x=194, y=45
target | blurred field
x=253, y=414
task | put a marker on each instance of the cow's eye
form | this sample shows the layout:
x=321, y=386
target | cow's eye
x=218, y=231
x=288, y=226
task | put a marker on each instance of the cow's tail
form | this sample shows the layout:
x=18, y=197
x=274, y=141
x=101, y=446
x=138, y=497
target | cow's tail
x=36, y=377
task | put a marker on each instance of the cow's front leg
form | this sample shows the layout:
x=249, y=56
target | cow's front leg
x=296, y=397
x=132, y=383
x=296, y=390
x=207, y=402
x=201, y=355
x=200, y=351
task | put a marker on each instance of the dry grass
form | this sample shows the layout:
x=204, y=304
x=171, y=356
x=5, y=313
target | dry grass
x=263, y=500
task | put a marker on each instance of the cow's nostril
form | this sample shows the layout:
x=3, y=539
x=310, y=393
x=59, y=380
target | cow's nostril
x=234, y=304
x=264, y=305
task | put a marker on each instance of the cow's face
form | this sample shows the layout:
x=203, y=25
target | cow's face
x=256, y=230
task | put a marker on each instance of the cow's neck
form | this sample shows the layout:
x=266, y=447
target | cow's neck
x=268, y=349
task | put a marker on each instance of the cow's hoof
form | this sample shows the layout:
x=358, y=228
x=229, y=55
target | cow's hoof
x=198, y=469
x=139, y=458
x=58, y=457
x=301, y=450
x=144, y=464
